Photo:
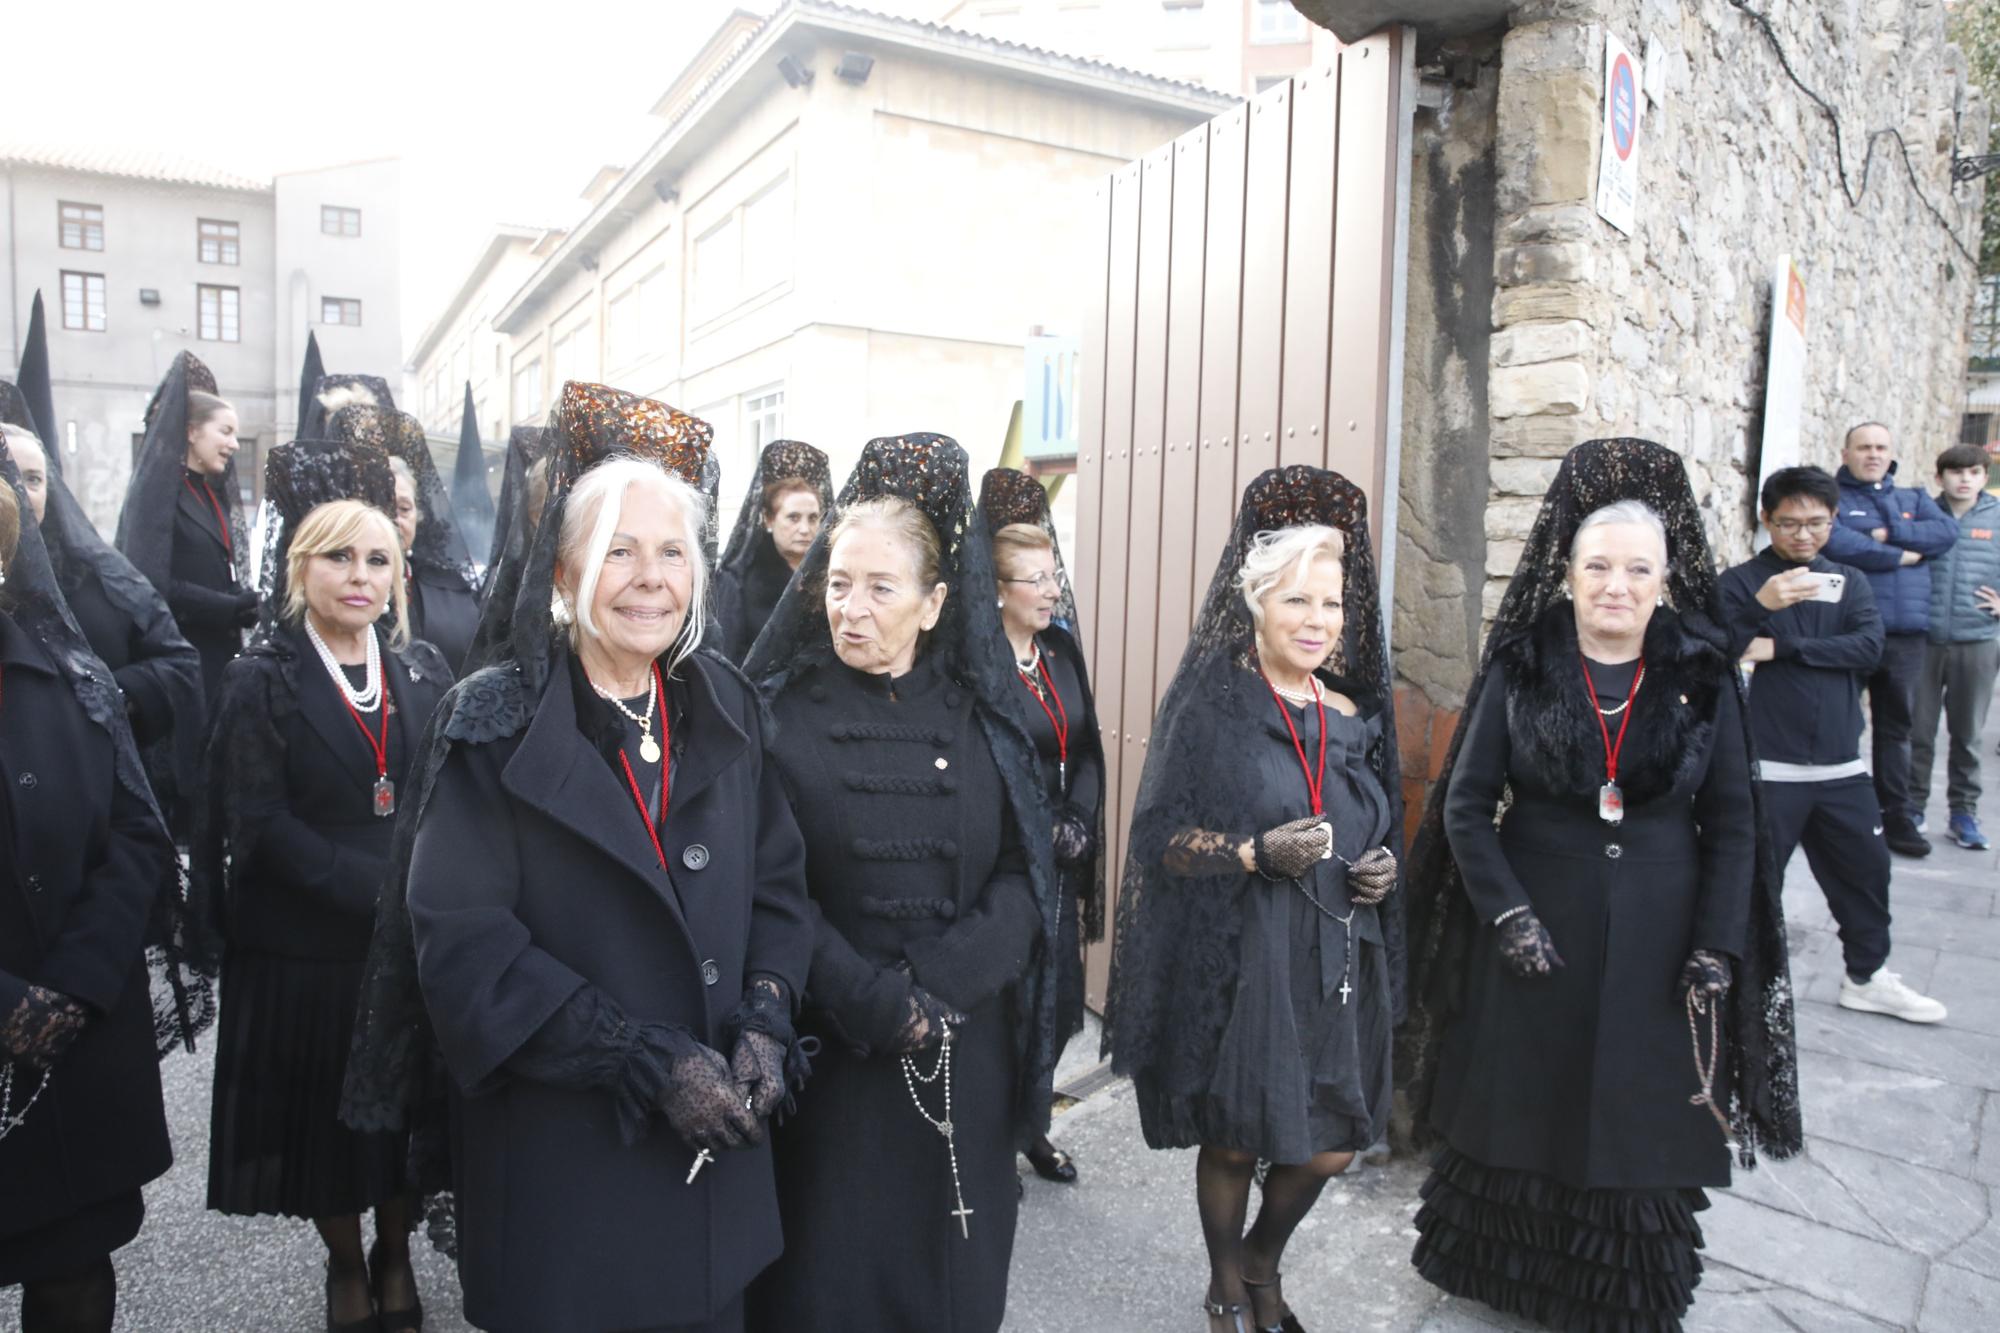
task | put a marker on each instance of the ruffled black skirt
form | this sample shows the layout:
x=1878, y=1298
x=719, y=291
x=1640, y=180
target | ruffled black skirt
x=1583, y=1260
x=276, y=1143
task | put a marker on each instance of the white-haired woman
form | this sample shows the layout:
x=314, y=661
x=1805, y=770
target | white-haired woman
x=1261, y=823
x=607, y=893
x=317, y=725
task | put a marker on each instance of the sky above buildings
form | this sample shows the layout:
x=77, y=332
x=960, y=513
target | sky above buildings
x=500, y=111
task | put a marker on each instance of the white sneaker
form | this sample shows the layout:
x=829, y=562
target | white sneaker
x=1885, y=993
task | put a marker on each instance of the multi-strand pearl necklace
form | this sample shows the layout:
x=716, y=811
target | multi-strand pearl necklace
x=1301, y=697
x=370, y=694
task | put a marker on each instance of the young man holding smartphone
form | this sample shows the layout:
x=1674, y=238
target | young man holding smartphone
x=1812, y=630
x=1963, y=653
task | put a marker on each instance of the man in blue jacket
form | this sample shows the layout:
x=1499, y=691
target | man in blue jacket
x=1888, y=532
x=1964, y=651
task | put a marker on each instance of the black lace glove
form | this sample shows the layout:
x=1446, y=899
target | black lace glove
x=246, y=609
x=703, y=1103
x=1370, y=879
x=41, y=1027
x=924, y=1023
x=1525, y=944
x=1290, y=850
x=1075, y=843
x=1706, y=974
x=764, y=1038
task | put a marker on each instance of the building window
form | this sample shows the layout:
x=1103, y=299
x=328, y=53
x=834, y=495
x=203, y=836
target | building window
x=1975, y=428
x=82, y=226
x=217, y=241
x=571, y=357
x=718, y=262
x=1984, y=340
x=1181, y=23
x=219, y=308
x=639, y=324
x=764, y=416
x=339, y=310
x=528, y=390
x=1276, y=23
x=767, y=237
x=337, y=221
x=83, y=301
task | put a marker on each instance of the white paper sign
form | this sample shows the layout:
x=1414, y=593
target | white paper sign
x=1618, y=138
x=1785, y=375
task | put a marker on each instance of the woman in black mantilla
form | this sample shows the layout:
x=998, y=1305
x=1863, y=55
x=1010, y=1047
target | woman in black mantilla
x=1258, y=959
x=781, y=514
x=1038, y=616
x=927, y=860
x=87, y=875
x=443, y=596
x=182, y=525
x=1572, y=945
x=313, y=733
x=606, y=918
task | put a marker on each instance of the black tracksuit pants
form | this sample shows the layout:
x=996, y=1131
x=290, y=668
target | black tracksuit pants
x=1892, y=701
x=1840, y=826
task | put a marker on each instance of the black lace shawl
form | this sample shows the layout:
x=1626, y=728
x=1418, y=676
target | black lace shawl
x=438, y=550
x=396, y=1078
x=931, y=472
x=146, y=523
x=183, y=997
x=298, y=478
x=333, y=392
x=1007, y=495
x=1174, y=955
x=1762, y=1063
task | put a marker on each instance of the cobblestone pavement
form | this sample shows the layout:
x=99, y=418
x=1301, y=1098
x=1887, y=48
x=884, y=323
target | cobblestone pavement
x=1886, y=1222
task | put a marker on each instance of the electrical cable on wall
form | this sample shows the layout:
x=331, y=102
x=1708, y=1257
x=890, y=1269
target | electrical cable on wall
x=1854, y=196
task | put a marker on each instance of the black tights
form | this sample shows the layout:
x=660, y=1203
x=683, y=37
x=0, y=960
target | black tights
x=1222, y=1178
x=82, y=1304
x=347, y=1263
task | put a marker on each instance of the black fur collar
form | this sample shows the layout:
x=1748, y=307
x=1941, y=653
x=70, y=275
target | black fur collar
x=1551, y=719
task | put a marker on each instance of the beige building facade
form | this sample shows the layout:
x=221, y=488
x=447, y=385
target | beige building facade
x=848, y=227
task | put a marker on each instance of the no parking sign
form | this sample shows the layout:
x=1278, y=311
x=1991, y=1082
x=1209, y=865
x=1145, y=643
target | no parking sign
x=1618, y=142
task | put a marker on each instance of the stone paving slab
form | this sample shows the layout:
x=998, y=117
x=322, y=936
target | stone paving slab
x=1873, y=1106
x=1943, y=1051
x=1958, y=1301
x=1818, y=1260
x=1870, y=1195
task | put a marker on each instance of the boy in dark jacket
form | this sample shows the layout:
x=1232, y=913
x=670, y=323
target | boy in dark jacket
x=1811, y=627
x=1888, y=531
x=1963, y=654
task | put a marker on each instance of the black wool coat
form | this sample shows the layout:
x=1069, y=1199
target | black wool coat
x=532, y=881
x=87, y=859
x=201, y=590
x=1584, y=1074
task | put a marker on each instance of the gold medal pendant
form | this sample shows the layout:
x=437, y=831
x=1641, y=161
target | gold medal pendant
x=649, y=749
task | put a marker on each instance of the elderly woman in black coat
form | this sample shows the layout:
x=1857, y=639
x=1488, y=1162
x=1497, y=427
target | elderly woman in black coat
x=1596, y=1065
x=928, y=865
x=314, y=730
x=83, y=858
x=607, y=897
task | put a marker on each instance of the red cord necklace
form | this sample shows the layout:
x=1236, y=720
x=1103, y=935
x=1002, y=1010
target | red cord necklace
x=1058, y=716
x=666, y=771
x=221, y=523
x=385, y=790
x=1610, y=800
x=1315, y=786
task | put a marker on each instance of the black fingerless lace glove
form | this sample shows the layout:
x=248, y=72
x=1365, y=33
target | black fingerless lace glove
x=702, y=1100
x=1075, y=842
x=1526, y=946
x=1290, y=850
x=1706, y=974
x=41, y=1026
x=1370, y=879
x=769, y=1059
x=924, y=1023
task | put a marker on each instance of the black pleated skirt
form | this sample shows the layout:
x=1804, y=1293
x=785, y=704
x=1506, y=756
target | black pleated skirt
x=276, y=1144
x=1581, y=1260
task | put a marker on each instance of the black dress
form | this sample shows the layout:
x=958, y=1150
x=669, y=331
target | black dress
x=911, y=862
x=1574, y=1159
x=443, y=613
x=202, y=591
x=744, y=602
x=310, y=857
x=84, y=859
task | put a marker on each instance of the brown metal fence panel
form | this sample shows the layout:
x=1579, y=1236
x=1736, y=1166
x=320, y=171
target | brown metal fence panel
x=1086, y=559
x=1246, y=312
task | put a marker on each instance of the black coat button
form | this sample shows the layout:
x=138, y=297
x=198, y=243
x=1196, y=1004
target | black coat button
x=34, y=884
x=1613, y=850
x=29, y=780
x=710, y=973
x=695, y=857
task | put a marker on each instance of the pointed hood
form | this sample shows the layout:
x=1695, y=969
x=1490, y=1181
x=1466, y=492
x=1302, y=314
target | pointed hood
x=310, y=374
x=33, y=379
x=471, y=498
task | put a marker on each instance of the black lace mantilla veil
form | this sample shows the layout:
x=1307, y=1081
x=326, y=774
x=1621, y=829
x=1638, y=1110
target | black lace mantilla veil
x=183, y=997
x=527, y=451
x=1008, y=495
x=298, y=478
x=781, y=458
x=146, y=523
x=396, y=1078
x=333, y=392
x=931, y=472
x=1761, y=1061
x=1174, y=960
x=439, y=549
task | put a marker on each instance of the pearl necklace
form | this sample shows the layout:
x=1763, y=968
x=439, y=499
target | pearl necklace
x=649, y=749
x=1301, y=697
x=370, y=694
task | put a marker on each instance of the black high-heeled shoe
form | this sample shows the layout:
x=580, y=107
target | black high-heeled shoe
x=1236, y=1318
x=393, y=1321
x=1052, y=1163
x=365, y=1324
x=1288, y=1322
